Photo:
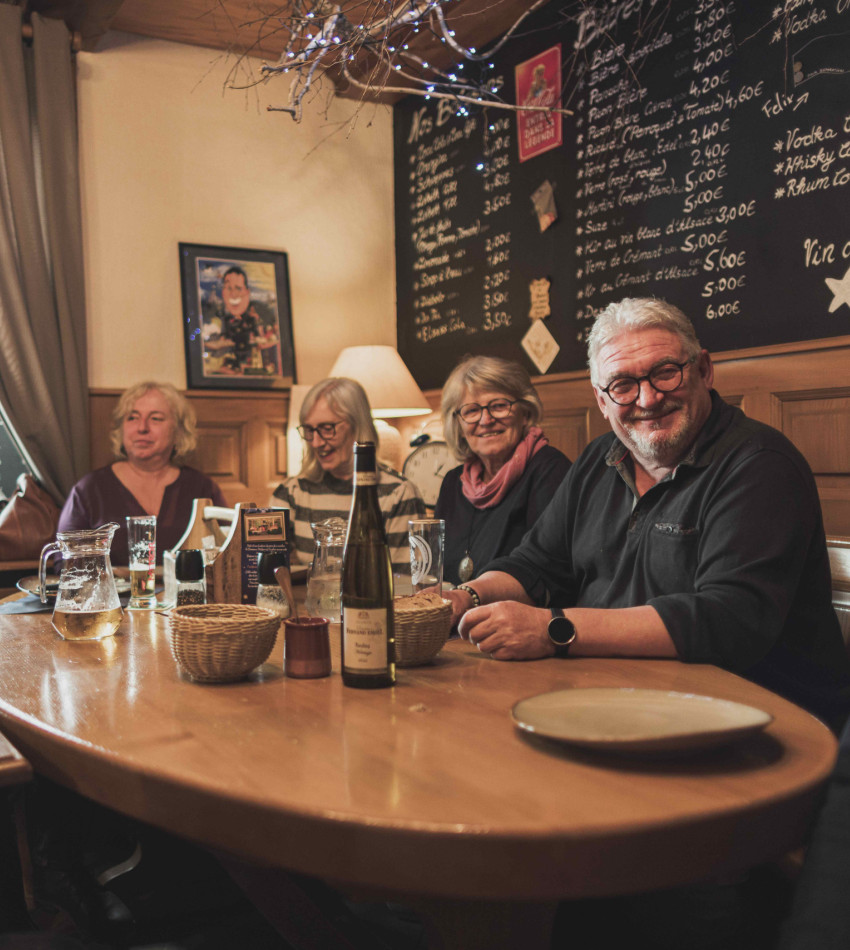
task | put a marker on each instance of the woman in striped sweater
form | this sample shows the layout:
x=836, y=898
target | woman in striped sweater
x=334, y=415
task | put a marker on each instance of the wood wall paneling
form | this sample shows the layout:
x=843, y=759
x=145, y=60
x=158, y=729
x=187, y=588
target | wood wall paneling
x=803, y=392
x=239, y=439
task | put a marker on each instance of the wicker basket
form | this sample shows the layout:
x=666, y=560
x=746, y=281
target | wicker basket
x=423, y=623
x=220, y=643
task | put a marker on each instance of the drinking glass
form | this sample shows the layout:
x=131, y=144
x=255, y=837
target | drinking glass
x=141, y=542
x=427, y=544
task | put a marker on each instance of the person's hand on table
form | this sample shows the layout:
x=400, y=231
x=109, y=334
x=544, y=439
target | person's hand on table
x=507, y=630
x=461, y=602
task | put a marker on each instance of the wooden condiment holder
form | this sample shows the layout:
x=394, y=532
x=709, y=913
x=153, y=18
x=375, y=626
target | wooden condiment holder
x=224, y=575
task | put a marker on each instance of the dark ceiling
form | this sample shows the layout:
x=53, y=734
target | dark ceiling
x=248, y=26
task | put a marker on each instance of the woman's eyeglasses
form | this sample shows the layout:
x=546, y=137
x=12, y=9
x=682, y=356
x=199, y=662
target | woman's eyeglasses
x=498, y=409
x=327, y=430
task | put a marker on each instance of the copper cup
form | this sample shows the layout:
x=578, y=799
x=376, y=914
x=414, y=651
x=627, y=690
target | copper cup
x=306, y=647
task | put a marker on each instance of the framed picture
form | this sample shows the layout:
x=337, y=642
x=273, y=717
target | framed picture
x=237, y=323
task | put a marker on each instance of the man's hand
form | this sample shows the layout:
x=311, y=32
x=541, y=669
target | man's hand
x=508, y=631
x=461, y=602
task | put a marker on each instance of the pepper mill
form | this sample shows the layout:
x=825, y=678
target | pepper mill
x=189, y=573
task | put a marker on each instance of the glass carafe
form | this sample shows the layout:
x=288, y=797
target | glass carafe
x=87, y=604
x=323, y=582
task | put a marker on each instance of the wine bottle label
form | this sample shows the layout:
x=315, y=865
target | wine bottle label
x=364, y=632
x=365, y=478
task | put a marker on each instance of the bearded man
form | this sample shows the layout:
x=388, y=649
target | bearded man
x=689, y=531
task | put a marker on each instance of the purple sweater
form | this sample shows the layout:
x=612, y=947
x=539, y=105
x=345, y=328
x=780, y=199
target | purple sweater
x=100, y=497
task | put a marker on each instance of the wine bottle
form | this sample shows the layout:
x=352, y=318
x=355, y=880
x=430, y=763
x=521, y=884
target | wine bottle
x=368, y=660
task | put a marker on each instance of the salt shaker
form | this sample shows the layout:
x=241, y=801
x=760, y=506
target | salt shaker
x=189, y=572
x=269, y=592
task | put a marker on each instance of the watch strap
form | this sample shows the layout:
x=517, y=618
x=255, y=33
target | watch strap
x=560, y=620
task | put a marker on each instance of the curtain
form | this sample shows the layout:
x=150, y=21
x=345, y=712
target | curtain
x=43, y=359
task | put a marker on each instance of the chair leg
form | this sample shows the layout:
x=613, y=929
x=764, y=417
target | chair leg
x=19, y=817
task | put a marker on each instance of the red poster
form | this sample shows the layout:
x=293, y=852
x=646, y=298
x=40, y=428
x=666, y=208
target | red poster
x=538, y=83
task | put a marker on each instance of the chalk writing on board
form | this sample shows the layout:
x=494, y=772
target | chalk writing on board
x=708, y=163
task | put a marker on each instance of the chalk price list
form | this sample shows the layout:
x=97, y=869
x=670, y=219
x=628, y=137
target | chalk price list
x=439, y=241
x=495, y=298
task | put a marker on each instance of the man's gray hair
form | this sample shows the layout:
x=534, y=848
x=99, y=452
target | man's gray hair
x=638, y=313
x=349, y=400
x=483, y=373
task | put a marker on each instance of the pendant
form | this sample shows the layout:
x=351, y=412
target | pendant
x=465, y=568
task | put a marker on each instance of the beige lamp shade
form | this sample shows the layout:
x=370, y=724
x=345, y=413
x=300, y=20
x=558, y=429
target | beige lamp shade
x=391, y=388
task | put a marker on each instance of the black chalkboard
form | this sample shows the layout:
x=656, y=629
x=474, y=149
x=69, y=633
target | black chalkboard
x=707, y=162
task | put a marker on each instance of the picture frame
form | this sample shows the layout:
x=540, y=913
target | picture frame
x=237, y=322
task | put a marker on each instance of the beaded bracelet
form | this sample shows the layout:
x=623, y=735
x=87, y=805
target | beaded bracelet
x=476, y=600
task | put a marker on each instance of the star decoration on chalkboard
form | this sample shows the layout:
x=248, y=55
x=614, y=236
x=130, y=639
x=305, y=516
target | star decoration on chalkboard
x=777, y=168
x=779, y=193
x=777, y=37
x=840, y=290
x=778, y=145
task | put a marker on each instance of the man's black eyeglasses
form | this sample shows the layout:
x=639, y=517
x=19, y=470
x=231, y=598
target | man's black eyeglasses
x=664, y=378
x=327, y=430
x=498, y=409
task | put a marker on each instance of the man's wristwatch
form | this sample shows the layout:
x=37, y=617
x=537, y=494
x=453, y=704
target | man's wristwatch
x=562, y=632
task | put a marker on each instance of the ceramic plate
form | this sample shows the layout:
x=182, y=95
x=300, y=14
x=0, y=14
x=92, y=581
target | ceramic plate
x=30, y=585
x=637, y=720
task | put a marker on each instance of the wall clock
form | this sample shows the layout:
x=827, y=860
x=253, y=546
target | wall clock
x=425, y=467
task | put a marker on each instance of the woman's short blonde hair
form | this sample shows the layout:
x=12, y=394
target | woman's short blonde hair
x=185, y=421
x=486, y=373
x=348, y=399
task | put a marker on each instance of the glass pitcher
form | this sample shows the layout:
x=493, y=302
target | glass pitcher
x=325, y=577
x=87, y=605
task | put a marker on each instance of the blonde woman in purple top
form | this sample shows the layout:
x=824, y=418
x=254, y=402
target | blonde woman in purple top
x=153, y=430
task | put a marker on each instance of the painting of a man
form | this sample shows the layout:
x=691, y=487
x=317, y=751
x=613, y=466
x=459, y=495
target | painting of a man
x=240, y=328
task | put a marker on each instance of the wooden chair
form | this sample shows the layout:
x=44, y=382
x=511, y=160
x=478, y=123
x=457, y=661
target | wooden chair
x=839, y=563
x=791, y=864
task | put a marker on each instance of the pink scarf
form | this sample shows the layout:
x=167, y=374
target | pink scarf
x=483, y=494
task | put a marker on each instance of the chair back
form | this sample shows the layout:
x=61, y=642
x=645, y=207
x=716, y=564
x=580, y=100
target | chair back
x=839, y=564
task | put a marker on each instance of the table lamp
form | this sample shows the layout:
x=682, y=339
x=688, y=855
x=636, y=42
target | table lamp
x=392, y=391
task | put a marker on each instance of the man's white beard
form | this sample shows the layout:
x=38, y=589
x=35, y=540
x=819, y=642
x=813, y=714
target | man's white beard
x=667, y=449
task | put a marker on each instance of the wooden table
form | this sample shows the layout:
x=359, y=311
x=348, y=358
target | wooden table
x=423, y=789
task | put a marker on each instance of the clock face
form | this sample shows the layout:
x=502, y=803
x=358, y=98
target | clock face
x=425, y=467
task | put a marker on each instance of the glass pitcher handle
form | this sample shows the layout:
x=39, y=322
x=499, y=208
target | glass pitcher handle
x=51, y=548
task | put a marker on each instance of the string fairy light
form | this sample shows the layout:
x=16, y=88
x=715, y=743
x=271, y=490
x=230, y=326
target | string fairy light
x=322, y=37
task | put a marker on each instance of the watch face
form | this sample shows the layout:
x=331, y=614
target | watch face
x=425, y=467
x=561, y=631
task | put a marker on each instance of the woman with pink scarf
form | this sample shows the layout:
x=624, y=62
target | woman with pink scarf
x=509, y=473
